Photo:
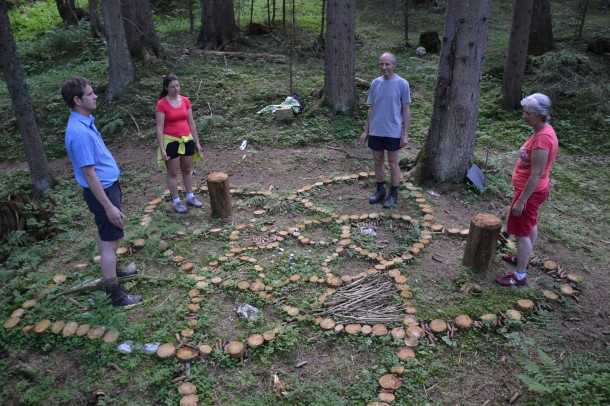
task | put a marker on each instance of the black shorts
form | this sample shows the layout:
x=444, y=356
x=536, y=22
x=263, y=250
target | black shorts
x=106, y=230
x=384, y=143
x=172, y=149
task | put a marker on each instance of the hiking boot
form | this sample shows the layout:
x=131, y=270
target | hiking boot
x=379, y=194
x=130, y=270
x=180, y=208
x=510, y=280
x=119, y=297
x=193, y=202
x=392, y=198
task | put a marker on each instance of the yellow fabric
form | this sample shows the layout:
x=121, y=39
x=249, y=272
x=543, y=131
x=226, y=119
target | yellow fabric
x=181, y=148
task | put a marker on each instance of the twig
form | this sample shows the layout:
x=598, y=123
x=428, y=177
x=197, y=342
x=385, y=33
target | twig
x=82, y=306
x=132, y=117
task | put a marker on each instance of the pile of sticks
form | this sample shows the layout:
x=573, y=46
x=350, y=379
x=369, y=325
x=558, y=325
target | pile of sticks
x=366, y=300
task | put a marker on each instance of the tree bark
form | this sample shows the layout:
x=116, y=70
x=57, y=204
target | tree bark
x=121, y=68
x=139, y=28
x=339, y=62
x=218, y=26
x=220, y=194
x=447, y=153
x=514, y=68
x=97, y=31
x=541, y=38
x=69, y=13
x=22, y=106
x=482, y=240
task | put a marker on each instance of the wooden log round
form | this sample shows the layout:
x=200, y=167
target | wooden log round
x=256, y=340
x=463, y=322
x=387, y=397
x=111, y=336
x=397, y=370
x=398, y=332
x=489, y=317
x=220, y=194
x=390, y=382
x=380, y=330
x=205, y=350
x=189, y=400
x=438, y=326
x=549, y=295
x=405, y=353
x=187, y=388
x=514, y=314
x=482, y=240
x=69, y=329
x=269, y=335
x=415, y=331
x=567, y=289
x=166, y=351
x=83, y=329
x=366, y=329
x=187, y=353
x=96, y=332
x=42, y=326
x=327, y=324
x=235, y=349
x=412, y=342
x=57, y=327
x=525, y=305
x=353, y=328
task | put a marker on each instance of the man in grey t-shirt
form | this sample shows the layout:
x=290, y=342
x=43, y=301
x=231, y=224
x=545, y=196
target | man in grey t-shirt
x=387, y=126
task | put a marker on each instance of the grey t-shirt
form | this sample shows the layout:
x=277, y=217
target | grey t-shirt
x=387, y=96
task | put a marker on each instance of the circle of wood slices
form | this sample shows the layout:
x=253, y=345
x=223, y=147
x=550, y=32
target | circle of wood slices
x=438, y=326
x=525, y=305
x=235, y=349
x=166, y=351
x=463, y=322
x=405, y=353
x=187, y=353
x=187, y=388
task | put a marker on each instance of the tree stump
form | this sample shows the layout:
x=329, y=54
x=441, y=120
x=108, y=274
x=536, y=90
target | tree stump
x=482, y=240
x=220, y=194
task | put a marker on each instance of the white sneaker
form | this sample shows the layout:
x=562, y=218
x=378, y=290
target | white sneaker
x=193, y=202
x=179, y=207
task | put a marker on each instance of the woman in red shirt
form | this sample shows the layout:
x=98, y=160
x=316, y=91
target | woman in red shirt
x=177, y=137
x=532, y=185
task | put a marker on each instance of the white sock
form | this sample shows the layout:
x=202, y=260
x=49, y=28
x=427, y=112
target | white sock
x=176, y=200
x=520, y=275
x=189, y=195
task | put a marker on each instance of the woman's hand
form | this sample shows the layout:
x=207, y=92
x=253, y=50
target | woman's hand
x=518, y=208
x=198, y=148
x=164, y=154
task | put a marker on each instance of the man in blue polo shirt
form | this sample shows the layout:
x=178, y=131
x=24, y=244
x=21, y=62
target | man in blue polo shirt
x=387, y=126
x=98, y=173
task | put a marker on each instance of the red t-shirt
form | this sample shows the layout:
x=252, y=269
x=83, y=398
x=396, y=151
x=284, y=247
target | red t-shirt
x=545, y=139
x=176, y=118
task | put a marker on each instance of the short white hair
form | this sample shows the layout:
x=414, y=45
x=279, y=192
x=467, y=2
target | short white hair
x=539, y=104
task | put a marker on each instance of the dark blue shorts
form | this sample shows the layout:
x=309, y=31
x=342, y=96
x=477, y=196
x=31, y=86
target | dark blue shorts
x=383, y=143
x=106, y=230
x=172, y=149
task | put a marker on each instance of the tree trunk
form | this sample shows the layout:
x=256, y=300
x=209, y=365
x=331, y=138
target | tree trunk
x=220, y=194
x=339, y=62
x=22, y=106
x=583, y=7
x=541, y=38
x=121, y=69
x=97, y=31
x=514, y=68
x=69, y=13
x=218, y=26
x=447, y=153
x=407, y=23
x=139, y=28
x=482, y=240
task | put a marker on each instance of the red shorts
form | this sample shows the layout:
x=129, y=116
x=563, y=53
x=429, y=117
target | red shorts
x=522, y=226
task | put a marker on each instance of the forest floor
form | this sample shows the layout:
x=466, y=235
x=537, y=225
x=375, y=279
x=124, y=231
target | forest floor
x=435, y=275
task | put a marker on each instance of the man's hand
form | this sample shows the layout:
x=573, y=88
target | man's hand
x=363, y=137
x=115, y=216
x=404, y=140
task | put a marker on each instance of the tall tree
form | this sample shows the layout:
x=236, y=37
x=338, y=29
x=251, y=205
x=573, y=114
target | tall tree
x=121, y=71
x=97, y=31
x=541, y=38
x=514, y=68
x=449, y=147
x=218, y=26
x=339, y=61
x=69, y=12
x=140, y=28
x=22, y=106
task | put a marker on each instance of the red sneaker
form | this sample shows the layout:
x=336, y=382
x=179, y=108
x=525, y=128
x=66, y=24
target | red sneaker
x=510, y=258
x=510, y=280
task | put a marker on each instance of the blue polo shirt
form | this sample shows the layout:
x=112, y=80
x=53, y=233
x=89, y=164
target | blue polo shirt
x=85, y=147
